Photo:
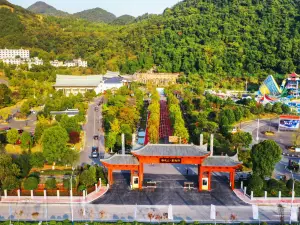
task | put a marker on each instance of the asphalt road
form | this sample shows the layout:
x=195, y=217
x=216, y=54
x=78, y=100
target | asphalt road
x=169, y=191
x=28, y=125
x=91, y=128
x=283, y=138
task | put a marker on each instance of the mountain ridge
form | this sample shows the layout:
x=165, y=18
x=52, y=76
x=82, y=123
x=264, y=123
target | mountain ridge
x=93, y=15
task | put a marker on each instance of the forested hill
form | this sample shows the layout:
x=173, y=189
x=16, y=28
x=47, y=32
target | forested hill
x=213, y=38
x=43, y=8
x=96, y=15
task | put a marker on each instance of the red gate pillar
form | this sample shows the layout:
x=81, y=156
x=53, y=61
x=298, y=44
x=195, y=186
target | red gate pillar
x=110, y=176
x=232, y=175
x=141, y=175
x=209, y=180
x=200, y=178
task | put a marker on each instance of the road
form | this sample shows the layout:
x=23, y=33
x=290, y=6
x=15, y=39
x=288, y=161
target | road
x=28, y=124
x=91, y=128
x=90, y=212
x=283, y=138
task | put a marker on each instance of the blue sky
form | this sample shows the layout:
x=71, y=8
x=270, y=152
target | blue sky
x=117, y=7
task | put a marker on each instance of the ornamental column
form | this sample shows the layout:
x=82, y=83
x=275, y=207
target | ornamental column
x=200, y=177
x=209, y=180
x=141, y=175
x=110, y=176
x=232, y=175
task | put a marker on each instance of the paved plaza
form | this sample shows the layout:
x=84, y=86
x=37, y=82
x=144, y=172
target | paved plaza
x=169, y=190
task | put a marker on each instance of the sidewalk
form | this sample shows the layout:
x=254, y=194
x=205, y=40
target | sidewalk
x=273, y=201
x=54, y=199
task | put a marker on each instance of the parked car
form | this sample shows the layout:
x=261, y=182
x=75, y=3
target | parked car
x=96, y=137
x=95, y=152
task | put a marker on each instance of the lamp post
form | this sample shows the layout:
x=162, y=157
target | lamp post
x=71, y=195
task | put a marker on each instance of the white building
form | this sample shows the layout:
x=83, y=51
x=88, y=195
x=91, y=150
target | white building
x=56, y=63
x=20, y=61
x=70, y=84
x=13, y=53
x=74, y=63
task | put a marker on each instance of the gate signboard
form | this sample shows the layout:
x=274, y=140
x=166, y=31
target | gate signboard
x=173, y=139
x=170, y=160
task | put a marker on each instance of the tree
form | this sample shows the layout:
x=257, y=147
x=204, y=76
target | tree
x=39, y=130
x=7, y=167
x=74, y=137
x=12, y=136
x=285, y=109
x=277, y=108
x=88, y=177
x=5, y=95
x=25, y=108
x=23, y=162
x=54, y=142
x=264, y=157
x=10, y=183
x=51, y=183
x=26, y=140
x=241, y=139
x=69, y=123
x=70, y=157
x=31, y=183
x=5, y=113
x=111, y=140
x=37, y=160
x=256, y=184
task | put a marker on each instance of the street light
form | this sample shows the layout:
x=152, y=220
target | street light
x=71, y=194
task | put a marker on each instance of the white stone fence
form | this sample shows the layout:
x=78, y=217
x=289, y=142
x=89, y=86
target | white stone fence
x=58, y=198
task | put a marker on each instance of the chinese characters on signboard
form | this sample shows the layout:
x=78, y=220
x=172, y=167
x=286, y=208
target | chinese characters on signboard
x=170, y=160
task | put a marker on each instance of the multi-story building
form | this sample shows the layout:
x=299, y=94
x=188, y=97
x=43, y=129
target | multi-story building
x=14, y=53
x=56, y=63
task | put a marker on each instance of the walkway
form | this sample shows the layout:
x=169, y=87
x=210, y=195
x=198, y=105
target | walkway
x=165, y=129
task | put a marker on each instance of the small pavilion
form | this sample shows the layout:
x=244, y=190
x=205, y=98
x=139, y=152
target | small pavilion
x=172, y=154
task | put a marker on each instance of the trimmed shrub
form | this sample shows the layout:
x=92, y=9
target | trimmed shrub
x=51, y=183
x=31, y=183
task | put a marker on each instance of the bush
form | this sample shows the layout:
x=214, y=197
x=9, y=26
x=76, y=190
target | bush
x=289, y=184
x=31, y=183
x=51, y=183
x=10, y=183
x=66, y=182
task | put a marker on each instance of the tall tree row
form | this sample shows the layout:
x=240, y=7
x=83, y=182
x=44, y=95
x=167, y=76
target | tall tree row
x=154, y=118
x=176, y=118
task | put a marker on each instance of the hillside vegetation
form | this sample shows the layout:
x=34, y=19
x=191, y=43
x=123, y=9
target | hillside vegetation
x=215, y=39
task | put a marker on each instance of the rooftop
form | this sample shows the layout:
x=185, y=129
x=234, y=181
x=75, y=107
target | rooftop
x=78, y=81
x=220, y=161
x=117, y=159
x=172, y=150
